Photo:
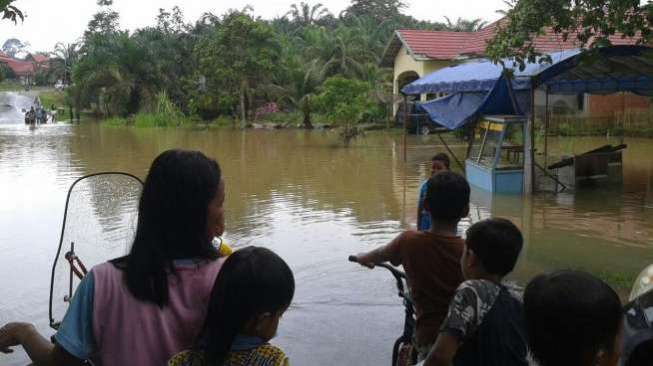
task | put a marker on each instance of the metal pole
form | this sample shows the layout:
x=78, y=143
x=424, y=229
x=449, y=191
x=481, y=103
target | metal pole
x=529, y=178
x=623, y=116
x=405, y=127
x=480, y=151
x=446, y=146
x=532, y=142
x=546, y=129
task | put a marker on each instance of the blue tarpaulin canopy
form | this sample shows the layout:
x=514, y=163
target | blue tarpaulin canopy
x=481, y=88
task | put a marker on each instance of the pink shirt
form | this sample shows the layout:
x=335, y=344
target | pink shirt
x=128, y=331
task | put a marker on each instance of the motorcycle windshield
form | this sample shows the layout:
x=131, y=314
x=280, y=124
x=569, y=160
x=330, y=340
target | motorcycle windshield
x=99, y=225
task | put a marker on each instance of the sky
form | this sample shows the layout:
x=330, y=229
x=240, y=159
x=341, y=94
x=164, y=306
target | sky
x=49, y=22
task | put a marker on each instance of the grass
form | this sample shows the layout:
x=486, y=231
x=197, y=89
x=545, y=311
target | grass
x=621, y=282
x=11, y=85
x=150, y=120
x=51, y=97
x=223, y=122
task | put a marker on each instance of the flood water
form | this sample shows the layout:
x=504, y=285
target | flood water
x=314, y=202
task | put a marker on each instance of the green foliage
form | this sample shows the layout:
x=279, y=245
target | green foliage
x=62, y=61
x=164, y=114
x=11, y=85
x=344, y=100
x=590, y=23
x=104, y=22
x=115, y=122
x=305, y=14
x=223, y=121
x=229, y=65
x=463, y=25
x=7, y=72
x=237, y=57
x=52, y=97
x=10, y=12
x=380, y=10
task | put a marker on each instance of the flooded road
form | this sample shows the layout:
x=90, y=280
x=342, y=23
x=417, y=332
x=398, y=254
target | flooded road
x=314, y=202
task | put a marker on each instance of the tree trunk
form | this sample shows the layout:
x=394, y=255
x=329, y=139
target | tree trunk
x=243, y=111
x=306, y=109
x=70, y=109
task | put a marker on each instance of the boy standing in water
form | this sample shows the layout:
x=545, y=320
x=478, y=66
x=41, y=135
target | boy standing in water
x=439, y=163
x=431, y=259
x=485, y=325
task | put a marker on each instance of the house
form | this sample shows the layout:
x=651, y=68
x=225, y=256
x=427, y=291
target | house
x=25, y=70
x=413, y=54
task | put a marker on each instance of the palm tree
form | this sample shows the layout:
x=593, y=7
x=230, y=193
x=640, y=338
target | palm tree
x=297, y=80
x=65, y=56
x=305, y=14
x=465, y=25
x=372, y=35
x=342, y=51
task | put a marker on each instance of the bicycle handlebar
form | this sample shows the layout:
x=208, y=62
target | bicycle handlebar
x=399, y=275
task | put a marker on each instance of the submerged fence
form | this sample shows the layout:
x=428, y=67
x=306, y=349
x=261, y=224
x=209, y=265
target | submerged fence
x=631, y=123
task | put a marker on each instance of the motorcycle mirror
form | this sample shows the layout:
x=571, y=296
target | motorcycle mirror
x=643, y=283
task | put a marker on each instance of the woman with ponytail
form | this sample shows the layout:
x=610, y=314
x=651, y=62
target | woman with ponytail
x=141, y=309
x=253, y=290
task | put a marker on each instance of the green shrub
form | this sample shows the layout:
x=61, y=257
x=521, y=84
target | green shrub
x=292, y=118
x=115, y=122
x=224, y=121
x=344, y=101
x=566, y=129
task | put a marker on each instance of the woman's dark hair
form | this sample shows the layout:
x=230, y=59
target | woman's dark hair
x=444, y=158
x=497, y=243
x=570, y=317
x=172, y=222
x=252, y=281
x=447, y=196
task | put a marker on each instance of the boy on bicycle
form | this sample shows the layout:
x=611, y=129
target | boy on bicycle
x=431, y=259
x=485, y=325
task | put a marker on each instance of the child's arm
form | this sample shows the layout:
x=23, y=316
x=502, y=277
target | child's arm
x=443, y=351
x=420, y=205
x=374, y=257
x=39, y=349
x=461, y=322
x=390, y=252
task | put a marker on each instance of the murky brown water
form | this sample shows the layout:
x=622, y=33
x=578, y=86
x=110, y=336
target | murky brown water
x=314, y=202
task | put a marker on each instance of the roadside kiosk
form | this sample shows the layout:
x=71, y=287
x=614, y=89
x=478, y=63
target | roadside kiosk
x=496, y=157
x=503, y=153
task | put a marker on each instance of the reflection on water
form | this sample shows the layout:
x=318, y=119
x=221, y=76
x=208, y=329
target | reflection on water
x=314, y=202
x=12, y=105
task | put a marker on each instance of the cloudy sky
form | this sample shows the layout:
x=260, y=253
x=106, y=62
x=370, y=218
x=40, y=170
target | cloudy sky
x=49, y=21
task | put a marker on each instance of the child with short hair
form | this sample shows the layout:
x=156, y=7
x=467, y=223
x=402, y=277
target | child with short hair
x=431, y=259
x=485, y=324
x=439, y=163
x=253, y=290
x=573, y=319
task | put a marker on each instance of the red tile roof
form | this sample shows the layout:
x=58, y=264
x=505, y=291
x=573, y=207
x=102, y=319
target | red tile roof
x=20, y=68
x=38, y=58
x=448, y=46
x=436, y=45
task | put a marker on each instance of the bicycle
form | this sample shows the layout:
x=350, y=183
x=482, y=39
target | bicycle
x=403, y=350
